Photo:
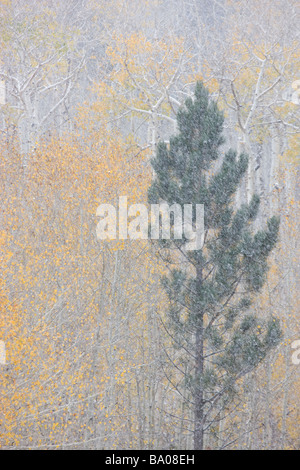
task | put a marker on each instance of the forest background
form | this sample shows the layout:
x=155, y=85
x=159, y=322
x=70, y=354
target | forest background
x=87, y=90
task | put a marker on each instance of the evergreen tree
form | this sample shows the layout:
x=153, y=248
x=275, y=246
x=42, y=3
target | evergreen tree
x=211, y=290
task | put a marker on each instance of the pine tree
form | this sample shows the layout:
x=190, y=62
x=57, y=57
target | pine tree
x=211, y=290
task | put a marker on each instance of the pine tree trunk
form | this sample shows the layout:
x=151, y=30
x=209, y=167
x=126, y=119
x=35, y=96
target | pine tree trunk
x=198, y=394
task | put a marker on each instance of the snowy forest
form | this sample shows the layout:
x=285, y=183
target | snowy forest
x=123, y=343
